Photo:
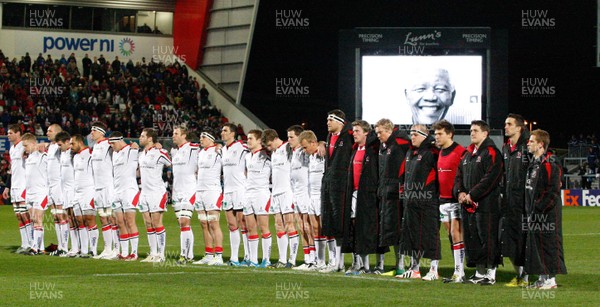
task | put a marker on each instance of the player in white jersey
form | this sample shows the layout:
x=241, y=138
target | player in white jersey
x=185, y=166
x=234, y=181
x=282, y=197
x=257, y=199
x=299, y=177
x=127, y=194
x=83, y=200
x=36, y=177
x=104, y=185
x=55, y=193
x=209, y=199
x=153, y=199
x=316, y=168
x=17, y=188
x=63, y=140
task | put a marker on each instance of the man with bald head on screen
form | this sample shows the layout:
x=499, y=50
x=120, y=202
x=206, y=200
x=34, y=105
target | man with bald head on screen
x=430, y=94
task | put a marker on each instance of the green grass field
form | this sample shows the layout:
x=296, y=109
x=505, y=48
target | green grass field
x=41, y=280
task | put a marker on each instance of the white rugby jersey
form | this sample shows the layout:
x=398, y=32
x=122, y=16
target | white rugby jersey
x=209, y=169
x=281, y=164
x=258, y=170
x=53, y=158
x=36, y=168
x=102, y=164
x=234, y=166
x=67, y=171
x=299, y=175
x=83, y=174
x=125, y=163
x=17, y=166
x=316, y=168
x=185, y=166
x=151, y=169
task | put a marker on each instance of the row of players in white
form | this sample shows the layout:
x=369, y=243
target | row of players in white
x=84, y=185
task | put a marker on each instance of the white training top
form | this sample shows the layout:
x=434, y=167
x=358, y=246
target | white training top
x=299, y=175
x=125, y=163
x=53, y=156
x=151, y=169
x=234, y=166
x=17, y=166
x=316, y=168
x=209, y=169
x=185, y=166
x=102, y=164
x=67, y=175
x=83, y=174
x=281, y=163
x=36, y=167
x=258, y=171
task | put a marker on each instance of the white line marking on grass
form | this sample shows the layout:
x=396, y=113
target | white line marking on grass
x=156, y=273
x=219, y=270
x=277, y=271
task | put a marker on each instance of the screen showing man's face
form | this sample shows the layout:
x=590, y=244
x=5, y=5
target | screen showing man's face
x=430, y=95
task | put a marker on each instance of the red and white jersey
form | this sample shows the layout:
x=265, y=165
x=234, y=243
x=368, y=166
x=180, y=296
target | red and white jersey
x=258, y=171
x=316, y=168
x=67, y=174
x=36, y=175
x=83, y=176
x=151, y=169
x=185, y=166
x=299, y=175
x=17, y=166
x=53, y=158
x=209, y=169
x=102, y=164
x=281, y=164
x=233, y=158
x=125, y=163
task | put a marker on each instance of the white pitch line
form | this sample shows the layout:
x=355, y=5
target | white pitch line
x=330, y=275
x=159, y=273
x=220, y=270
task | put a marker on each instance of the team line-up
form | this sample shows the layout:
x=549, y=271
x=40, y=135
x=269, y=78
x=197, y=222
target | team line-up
x=362, y=191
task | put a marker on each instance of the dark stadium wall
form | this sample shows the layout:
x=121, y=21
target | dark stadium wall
x=292, y=74
x=189, y=29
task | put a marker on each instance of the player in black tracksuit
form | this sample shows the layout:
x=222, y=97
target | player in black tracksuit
x=516, y=161
x=421, y=223
x=362, y=238
x=334, y=207
x=392, y=153
x=544, y=253
x=477, y=188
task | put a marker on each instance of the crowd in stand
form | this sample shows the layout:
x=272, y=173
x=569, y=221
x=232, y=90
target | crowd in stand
x=127, y=96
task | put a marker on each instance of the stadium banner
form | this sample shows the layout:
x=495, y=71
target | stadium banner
x=581, y=198
x=56, y=43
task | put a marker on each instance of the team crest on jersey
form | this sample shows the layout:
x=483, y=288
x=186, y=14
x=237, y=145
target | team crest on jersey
x=419, y=157
x=505, y=156
x=519, y=155
x=389, y=151
x=533, y=173
x=341, y=143
x=367, y=159
x=478, y=159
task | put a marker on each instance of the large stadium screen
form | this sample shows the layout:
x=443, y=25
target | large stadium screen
x=411, y=89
